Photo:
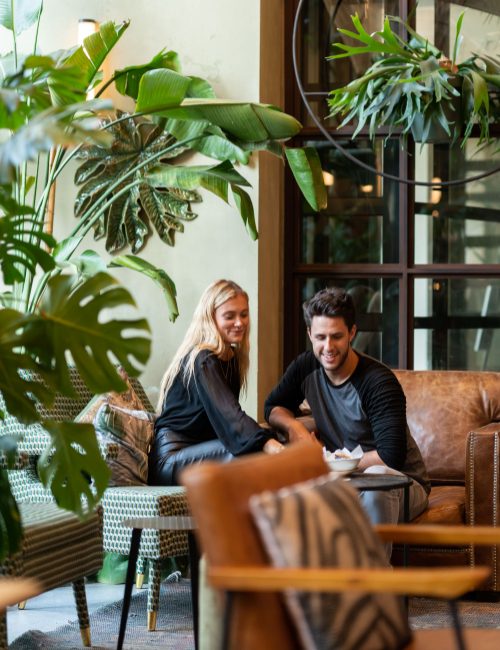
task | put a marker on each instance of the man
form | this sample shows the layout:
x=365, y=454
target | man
x=355, y=400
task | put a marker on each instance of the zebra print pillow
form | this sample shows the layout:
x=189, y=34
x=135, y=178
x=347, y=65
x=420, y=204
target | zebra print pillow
x=321, y=523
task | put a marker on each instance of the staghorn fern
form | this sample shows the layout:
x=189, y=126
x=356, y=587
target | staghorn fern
x=127, y=221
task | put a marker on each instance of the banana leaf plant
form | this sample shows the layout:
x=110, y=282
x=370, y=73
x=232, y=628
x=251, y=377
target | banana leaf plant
x=56, y=303
x=413, y=86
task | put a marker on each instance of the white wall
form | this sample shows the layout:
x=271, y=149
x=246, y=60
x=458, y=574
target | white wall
x=218, y=40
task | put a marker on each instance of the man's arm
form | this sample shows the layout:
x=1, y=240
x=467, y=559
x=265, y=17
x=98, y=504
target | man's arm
x=284, y=420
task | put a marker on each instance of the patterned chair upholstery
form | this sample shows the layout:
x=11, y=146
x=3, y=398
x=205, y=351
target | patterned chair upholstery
x=57, y=548
x=118, y=503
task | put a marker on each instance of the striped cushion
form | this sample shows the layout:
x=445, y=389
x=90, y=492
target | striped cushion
x=321, y=523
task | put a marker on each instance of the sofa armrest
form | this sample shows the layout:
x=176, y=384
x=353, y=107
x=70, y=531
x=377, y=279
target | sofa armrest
x=482, y=482
x=482, y=474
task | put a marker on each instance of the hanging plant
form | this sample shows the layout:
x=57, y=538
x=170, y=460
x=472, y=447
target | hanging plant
x=414, y=86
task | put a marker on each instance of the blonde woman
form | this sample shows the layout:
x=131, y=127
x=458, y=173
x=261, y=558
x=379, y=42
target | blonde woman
x=199, y=415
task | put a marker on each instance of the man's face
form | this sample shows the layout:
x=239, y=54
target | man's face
x=331, y=339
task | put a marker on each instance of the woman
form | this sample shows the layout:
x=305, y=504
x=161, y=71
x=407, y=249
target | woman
x=199, y=415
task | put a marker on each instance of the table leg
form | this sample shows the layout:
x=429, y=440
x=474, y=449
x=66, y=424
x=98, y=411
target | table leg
x=194, y=564
x=129, y=581
x=406, y=519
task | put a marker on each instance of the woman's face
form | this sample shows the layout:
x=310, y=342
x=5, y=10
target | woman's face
x=232, y=319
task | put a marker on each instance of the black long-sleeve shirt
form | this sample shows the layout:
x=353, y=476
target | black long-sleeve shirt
x=208, y=408
x=368, y=409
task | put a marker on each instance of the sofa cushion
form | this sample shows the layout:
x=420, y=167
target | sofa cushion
x=321, y=523
x=133, y=431
x=132, y=397
x=446, y=506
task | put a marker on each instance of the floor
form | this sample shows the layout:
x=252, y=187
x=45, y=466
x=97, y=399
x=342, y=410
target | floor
x=57, y=607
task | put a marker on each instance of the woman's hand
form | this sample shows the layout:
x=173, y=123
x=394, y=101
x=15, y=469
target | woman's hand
x=272, y=446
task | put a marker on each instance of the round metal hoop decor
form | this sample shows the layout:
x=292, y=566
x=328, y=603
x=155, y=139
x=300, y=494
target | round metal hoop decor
x=345, y=152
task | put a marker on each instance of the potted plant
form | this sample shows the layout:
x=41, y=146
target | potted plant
x=413, y=86
x=58, y=304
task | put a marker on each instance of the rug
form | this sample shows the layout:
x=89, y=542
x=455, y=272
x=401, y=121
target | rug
x=426, y=613
x=174, y=625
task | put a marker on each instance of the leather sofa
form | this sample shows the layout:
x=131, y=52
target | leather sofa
x=455, y=418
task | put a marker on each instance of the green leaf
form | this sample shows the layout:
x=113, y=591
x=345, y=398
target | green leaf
x=89, y=57
x=72, y=467
x=159, y=88
x=19, y=390
x=127, y=79
x=245, y=208
x=157, y=275
x=49, y=127
x=457, y=42
x=18, y=15
x=215, y=179
x=21, y=248
x=200, y=88
x=72, y=324
x=306, y=168
x=246, y=121
x=10, y=520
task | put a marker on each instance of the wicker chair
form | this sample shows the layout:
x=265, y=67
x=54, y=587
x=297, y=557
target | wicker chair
x=57, y=548
x=118, y=503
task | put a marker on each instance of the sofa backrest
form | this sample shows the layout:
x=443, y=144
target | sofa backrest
x=442, y=407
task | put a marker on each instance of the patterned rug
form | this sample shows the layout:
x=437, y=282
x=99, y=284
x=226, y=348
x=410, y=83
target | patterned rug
x=426, y=613
x=174, y=626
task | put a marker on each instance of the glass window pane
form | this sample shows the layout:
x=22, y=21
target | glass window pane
x=377, y=313
x=457, y=323
x=360, y=224
x=460, y=224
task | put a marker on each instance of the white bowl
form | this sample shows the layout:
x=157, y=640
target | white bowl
x=343, y=465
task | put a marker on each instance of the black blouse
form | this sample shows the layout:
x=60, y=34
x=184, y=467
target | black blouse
x=208, y=408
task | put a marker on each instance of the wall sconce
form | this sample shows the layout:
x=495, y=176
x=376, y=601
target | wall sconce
x=436, y=192
x=328, y=179
x=366, y=189
x=86, y=27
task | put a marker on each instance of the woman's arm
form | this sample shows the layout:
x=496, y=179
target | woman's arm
x=238, y=432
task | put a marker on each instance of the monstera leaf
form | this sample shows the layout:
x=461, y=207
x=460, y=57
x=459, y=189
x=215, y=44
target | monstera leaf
x=72, y=467
x=106, y=173
x=71, y=323
x=18, y=389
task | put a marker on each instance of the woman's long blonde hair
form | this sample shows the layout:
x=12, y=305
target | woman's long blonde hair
x=202, y=334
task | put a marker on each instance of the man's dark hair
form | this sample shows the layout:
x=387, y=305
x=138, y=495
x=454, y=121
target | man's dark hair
x=332, y=302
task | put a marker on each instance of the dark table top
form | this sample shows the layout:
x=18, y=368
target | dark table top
x=362, y=481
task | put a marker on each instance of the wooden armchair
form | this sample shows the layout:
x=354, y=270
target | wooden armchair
x=219, y=495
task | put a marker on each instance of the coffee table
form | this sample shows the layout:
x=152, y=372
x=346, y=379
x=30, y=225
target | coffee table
x=138, y=524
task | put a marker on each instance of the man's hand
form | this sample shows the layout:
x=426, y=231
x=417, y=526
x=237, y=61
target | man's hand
x=272, y=446
x=284, y=420
x=369, y=458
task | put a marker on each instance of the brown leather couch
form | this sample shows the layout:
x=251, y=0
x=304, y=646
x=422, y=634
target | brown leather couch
x=455, y=418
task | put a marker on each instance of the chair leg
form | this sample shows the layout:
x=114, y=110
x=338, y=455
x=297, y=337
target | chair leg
x=82, y=610
x=3, y=631
x=154, y=578
x=140, y=571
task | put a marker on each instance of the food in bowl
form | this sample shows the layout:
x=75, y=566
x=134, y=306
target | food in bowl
x=342, y=460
